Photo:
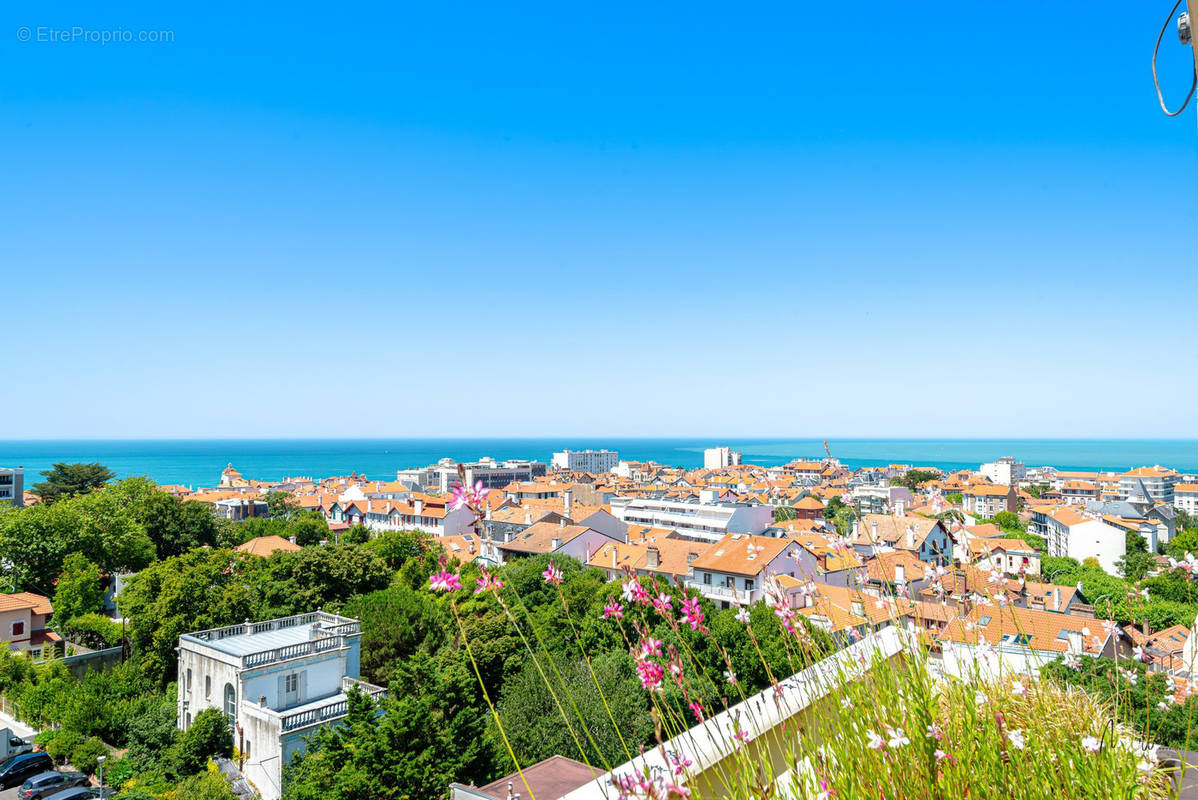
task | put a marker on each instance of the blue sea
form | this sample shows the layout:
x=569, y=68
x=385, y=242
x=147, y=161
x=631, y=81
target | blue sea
x=198, y=462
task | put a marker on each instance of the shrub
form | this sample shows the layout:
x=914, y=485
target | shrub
x=60, y=745
x=85, y=755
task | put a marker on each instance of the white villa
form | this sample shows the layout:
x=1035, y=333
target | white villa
x=278, y=681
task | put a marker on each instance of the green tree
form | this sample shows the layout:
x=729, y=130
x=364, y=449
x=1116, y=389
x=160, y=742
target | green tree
x=784, y=513
x=281, y=505
x=209, y=736
x=913, y=478
x=308, y=529
x=537, y=729
x=318, y=577
x=431, y=732
x=1136, y=560
x=173, y=526
x=79, y=590
x=1182, y=543
x=357, y=534
x=396, y=622
x=1009, y=521
x=69, y=480
x=85, y=756
x=99, y=526
x=197, y=590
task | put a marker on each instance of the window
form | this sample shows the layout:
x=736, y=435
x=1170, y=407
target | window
x=187, y=683
x=748, y=584
x=291, y=683
x=207, y=686
x=246, y=751
x=18, y=629
x=230, y=701
x=707, y=579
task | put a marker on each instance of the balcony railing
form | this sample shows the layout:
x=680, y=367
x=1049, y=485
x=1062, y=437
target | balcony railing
x=721, y=591
x=335, y=709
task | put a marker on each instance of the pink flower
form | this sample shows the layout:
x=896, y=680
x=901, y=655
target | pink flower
x=662, y=603
x=444, y=581
x=650, y=647
x=463, y=496
x=487, y=583
x=697, y=709
x=741, y=735
x=552, y=574
x=651, y=674
x=692, y=613
x=613, y=610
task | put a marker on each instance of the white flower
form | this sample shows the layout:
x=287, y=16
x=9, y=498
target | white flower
x=1072, y=661
x=730, y=676
x=1085, y=631
x=933, y=731
x=742, y=615
x=1163, y=706
x=897, y=737
x=980, y=698
x=940, y=754
x=1015, y=736
x=1091, y=745
x=875, y=741
x=1017, y=687
x=846, y=702
x=1145, y=766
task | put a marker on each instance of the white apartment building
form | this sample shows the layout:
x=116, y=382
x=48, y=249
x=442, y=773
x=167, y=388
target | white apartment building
x=1185, y=497
x=1069, y=532
x=1156, y=482
x=12, y=485
x=593, y=461
x=720, y=457
x=706, y=520
x=277, y=681
x=1006, y=471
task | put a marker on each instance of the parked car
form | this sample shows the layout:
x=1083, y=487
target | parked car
x=78, y=793
x=18, y=769
x=47, y=783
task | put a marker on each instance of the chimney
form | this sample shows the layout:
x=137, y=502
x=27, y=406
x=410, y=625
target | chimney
x=910, y=538
x=652, y=558
x=291, y=539
x=1074, y=643
x=873, y=530
x=527, y=517
x=900, y=573
x=418, y=508
x=900, y=508
x=561, y=523
x=567, y=502
x=858, y=608
x=1056, y=599
x=614, y=554
x=854, y=529
x=555, y=543
x=690, y=558
x=488, y=511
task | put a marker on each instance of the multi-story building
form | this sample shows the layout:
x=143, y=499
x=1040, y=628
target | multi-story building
x=735, y=568
x=593, y=461
x=881, y=499
x=12, y=485
x=1185, y=498
x=1079, y=492
x=986, y=500
x=720, y=457
x=1006, y=471
x=1072, y=533
x=493, y=474
x=278, y=682
x=705, y=520
x=1152, y=483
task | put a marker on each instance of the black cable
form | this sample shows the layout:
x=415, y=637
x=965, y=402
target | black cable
x=1156, y=82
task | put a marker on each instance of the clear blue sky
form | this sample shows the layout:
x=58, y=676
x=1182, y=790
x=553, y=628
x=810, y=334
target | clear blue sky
x=904, y=219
